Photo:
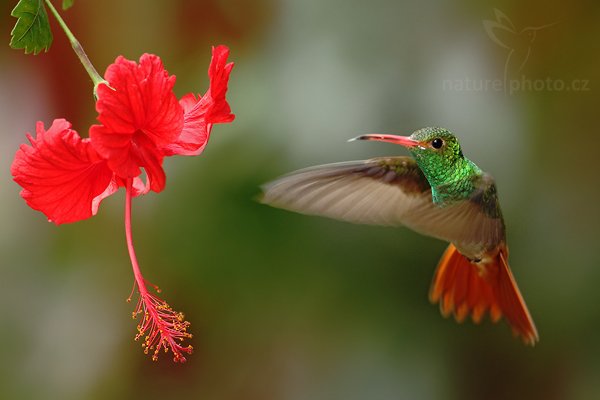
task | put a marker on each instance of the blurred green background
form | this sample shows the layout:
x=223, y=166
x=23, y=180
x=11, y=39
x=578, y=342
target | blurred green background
x=290, y=307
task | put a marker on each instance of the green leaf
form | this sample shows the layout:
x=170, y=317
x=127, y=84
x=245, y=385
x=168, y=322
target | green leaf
x=32, y=30
x=67, y=4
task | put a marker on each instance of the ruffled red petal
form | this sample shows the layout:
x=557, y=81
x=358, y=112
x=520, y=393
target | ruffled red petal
x=219, y=71
x=200, y=114
x=61, y=173
x=138, y=152
x=139, y=113
x=195, y=132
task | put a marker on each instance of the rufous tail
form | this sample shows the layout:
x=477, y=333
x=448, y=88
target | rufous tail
x=465, y=288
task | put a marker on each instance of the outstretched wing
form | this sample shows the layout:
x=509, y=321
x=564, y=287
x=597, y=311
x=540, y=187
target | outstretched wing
x=379, y=191
x=384, y=191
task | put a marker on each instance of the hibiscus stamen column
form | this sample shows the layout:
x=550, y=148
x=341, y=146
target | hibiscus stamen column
x=160, y=327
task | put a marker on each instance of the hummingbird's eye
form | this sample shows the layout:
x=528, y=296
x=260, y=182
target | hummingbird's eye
x=437, y=143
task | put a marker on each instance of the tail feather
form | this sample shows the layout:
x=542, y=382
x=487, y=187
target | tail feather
x=463, y=288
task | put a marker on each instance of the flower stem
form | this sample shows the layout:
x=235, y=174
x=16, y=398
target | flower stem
x=87, y=64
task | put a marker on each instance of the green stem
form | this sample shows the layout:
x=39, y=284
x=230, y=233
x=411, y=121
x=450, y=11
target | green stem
x=87, y=64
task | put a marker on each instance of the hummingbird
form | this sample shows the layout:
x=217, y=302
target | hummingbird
x=437, y=192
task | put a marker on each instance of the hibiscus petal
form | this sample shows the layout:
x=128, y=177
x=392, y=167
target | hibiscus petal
x=219, y=72
x=109, y=191
x=138, y=188
x=195, y=132
x=151, y=158
x=140, y=97
x=116, y=147
x=139, y=103
x=200, y=114
x=61, y=173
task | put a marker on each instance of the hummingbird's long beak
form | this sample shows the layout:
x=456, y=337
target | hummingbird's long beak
x=401, y=140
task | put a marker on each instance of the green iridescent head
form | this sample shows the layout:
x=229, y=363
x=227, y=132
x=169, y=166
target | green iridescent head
x=436, y=151
x=438, y=154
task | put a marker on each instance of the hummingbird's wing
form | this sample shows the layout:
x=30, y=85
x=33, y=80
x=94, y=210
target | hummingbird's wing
x=385, y=191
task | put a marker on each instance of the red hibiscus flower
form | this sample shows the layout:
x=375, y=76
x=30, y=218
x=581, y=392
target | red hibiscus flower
x=141, y=121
